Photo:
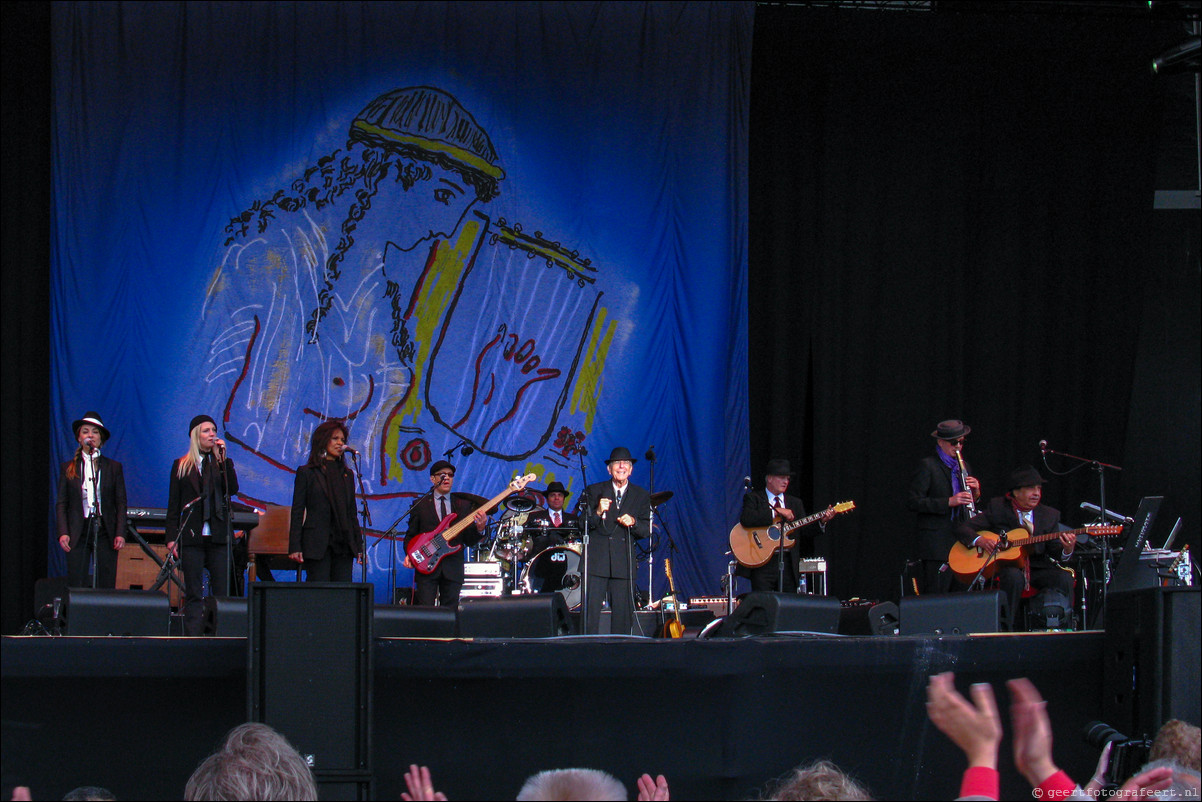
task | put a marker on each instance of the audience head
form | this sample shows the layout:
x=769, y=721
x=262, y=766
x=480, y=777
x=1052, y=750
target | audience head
x=90, y=792
x=255, y=762
x=562, y=785
x=819, y=780
x=1180, y=742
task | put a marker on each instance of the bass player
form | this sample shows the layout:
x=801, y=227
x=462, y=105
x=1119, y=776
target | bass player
x=762, y=508
x=1020, y=509
x=443, y=584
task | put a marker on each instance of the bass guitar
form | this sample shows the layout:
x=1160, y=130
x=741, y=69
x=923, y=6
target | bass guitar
x=755, y=547
x=966, y=561
x=427, y=551
x=673, y=629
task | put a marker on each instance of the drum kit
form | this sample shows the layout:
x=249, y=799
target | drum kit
x=535, y=556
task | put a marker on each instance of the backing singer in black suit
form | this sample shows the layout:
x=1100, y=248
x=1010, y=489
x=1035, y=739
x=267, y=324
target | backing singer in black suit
x=198, y=519
x=619, y=513
x=324, y=531
x=445, y=582
x=73, y=508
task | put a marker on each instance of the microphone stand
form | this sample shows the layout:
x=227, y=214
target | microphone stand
x=650, y=455
x=229, y=528
x=94, y=516
x=364, y=513
x=585, y=506
x=1100, y=469
x=390, y=533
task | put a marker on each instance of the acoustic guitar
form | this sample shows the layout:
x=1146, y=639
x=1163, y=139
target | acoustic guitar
x=673, y=629
x=966, y=561
x=429, y=549
x=755, y=547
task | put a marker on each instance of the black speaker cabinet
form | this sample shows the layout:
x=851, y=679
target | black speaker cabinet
x=762, y=613
x=309, y=672
x=226, y=616
x=869, y=618
x=117, y=612
x=953, y=613
x=406, y=621
x=1151, y=668
x=542, y=615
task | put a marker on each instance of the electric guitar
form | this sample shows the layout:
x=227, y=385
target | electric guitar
x=673, y=629
x=755, y=547
x=966, y=561
x=427, y=551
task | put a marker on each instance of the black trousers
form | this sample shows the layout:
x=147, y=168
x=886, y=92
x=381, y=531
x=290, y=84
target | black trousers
x=195, y=560
x=79, y=561
x=767, y=576
x=431, y=588
x=330, y=568
x=621, y=606
x=1010, y=577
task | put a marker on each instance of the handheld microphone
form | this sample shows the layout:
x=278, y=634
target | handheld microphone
x=1043, y=446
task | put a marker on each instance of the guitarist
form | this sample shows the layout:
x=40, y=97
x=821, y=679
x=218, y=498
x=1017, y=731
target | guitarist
x=1020, y=509
x=445, y=582
x=762, y=508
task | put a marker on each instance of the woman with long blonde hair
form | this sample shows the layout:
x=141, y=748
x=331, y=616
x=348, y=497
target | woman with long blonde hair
x=198, y=517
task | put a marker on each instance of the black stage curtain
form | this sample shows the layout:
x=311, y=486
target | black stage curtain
x=952, y=217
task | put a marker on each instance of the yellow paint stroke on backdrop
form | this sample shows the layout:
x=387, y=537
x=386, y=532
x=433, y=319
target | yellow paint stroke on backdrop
x=587, y=391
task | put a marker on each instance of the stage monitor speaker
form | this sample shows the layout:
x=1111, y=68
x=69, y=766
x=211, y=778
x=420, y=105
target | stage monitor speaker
x=226, y=616
x=762, y=613
x=870, y=618
x=310, y=667
x=117, y=612
x=1151, y=667
x=542, y=615
x=407, y=621
x=953, y=613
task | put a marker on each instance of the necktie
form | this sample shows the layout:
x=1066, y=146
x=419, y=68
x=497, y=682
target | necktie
x=1024, y=518
x=555, y=518
x=776, y=502
x=618, y=500
x=442, y=503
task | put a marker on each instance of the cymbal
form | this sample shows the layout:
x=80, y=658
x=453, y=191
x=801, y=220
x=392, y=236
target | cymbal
x=660, y=497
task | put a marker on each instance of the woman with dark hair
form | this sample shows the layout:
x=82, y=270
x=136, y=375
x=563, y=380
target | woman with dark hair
x=91, y=492
x=325, y=533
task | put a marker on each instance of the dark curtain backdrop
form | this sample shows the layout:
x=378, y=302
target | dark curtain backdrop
x=952, y=217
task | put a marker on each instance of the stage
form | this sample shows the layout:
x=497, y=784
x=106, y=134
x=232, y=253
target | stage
x=718, y=717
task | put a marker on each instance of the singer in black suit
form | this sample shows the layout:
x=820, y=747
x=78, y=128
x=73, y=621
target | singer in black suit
x=444, y=583
x=1039, y=566
x=324, y=531
x=762, y=508
x=84, y=476
x=939, y=497
x=198, y=518
x=619, y=513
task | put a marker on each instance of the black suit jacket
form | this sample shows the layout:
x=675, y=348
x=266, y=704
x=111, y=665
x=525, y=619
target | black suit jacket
x=930, y=488
x=68, y=508
x=999, y=516
x=424, y=518
x=610, y=543
x=757, y=512
x=539, y=522
x=313, y=519
x=181, y=491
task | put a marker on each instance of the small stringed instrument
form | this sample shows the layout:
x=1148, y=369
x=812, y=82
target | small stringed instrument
x=755, y=547
x=428, y=550
x=966, y=561
x=673, y=629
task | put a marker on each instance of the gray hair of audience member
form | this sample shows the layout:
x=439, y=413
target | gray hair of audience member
x=819, y=780
x=255, y=762
x=563, y=785
x=1179, y=741
x=90, y=792
x=1185, y=780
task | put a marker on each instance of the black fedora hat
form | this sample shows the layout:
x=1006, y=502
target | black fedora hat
x=619, y=454
x=93, y=419
x=442, y=465
x=951, y=430
x=556, y=487
x=1024, y=476
x=778, y=467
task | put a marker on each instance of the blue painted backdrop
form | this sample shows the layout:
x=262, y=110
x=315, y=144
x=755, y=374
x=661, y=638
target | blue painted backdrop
x=518, y=225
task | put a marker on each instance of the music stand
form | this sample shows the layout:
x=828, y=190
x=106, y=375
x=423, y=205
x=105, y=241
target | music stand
x=1126, y=568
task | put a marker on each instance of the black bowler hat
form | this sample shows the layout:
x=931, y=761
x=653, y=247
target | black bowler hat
x=556, y=487
x=442, y=465
x=619, y=454
x=93, y=419
x=1024, y=476
x=778, y=467
x=199, y=419
x=951, y=430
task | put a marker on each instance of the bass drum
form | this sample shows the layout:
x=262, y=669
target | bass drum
x=555, y=570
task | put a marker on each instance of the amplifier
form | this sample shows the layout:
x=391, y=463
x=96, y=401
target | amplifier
x=481, y=570
x=715, y=604
x=482, y=587
x=812, y=568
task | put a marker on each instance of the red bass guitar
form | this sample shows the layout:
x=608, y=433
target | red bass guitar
x=426, y=551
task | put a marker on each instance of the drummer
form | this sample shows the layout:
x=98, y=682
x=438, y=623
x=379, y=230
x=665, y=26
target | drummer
x=553, y=526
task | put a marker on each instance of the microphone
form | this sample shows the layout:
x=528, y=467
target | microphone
x=650, y=455
x=351, y=449
x=746, y=482
x=1043, y=446
x=463, y=452
x=188, y=506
